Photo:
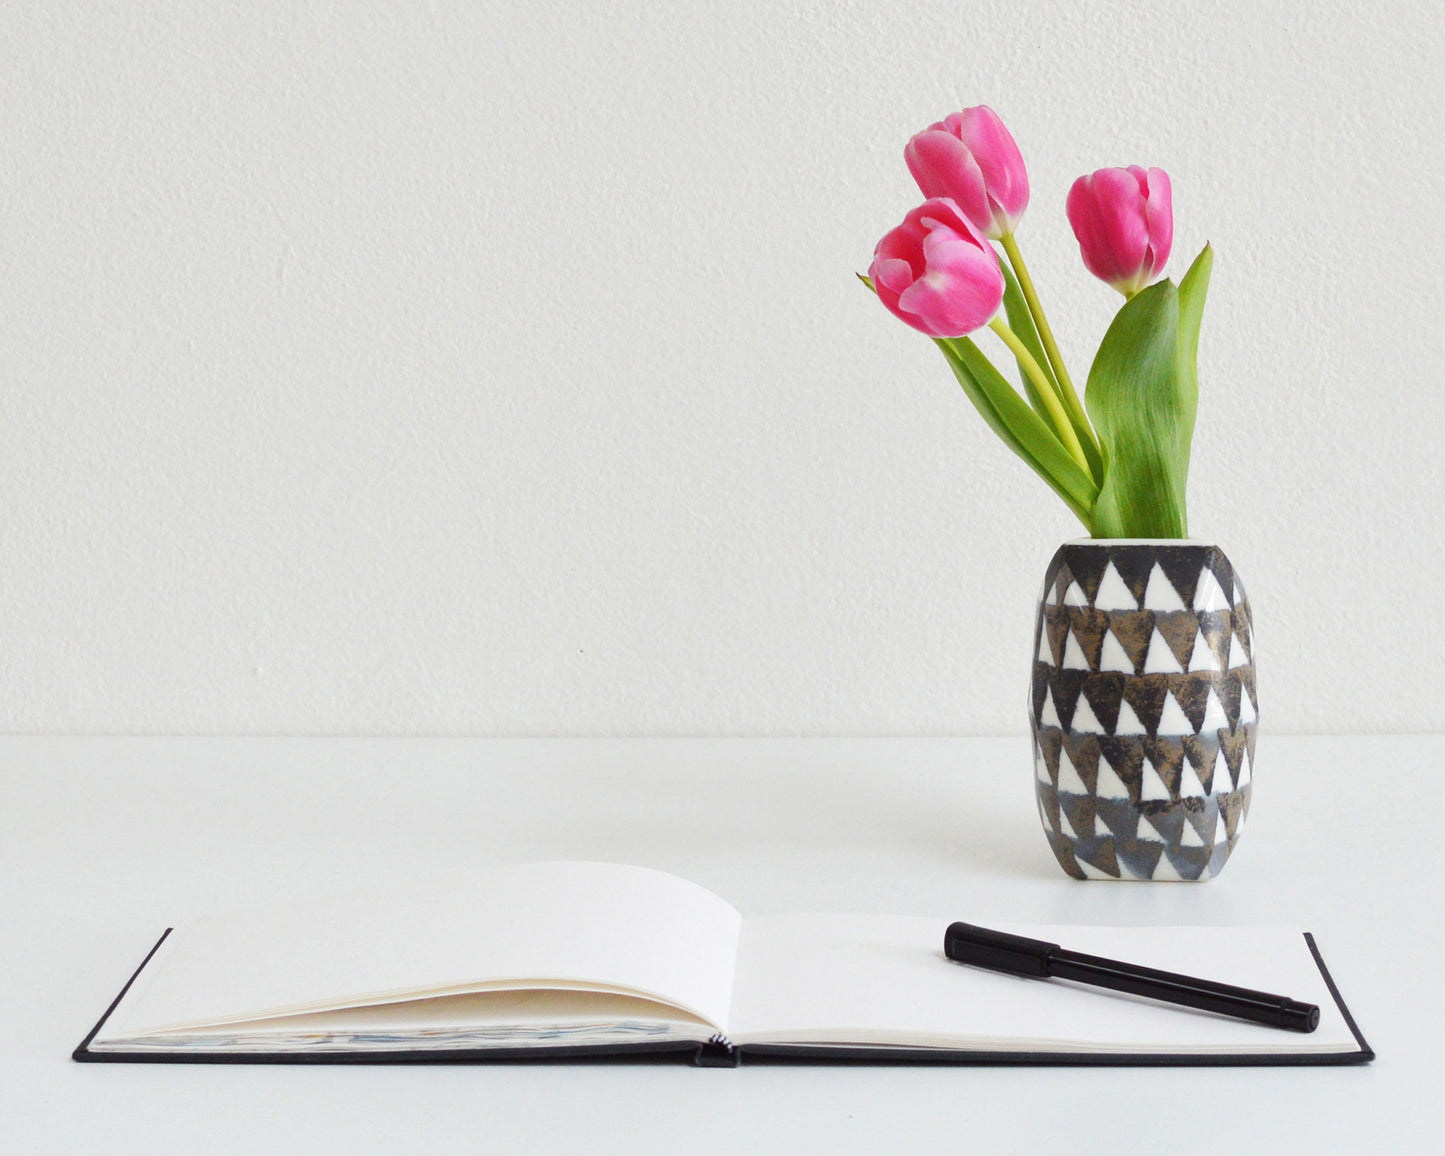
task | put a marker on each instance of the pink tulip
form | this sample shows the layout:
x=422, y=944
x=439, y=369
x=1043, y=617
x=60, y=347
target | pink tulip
x=937, y=272
x=1124, y=220
x=971, y=157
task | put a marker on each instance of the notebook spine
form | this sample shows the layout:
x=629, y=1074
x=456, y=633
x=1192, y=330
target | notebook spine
x=718, y=1052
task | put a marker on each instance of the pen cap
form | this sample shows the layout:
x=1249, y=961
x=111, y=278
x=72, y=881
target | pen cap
x=997, y=950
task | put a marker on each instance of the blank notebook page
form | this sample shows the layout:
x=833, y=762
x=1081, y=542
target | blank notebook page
x=596, y=923
x=885, y=980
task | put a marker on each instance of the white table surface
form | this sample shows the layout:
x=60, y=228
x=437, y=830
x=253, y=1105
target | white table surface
x=106, y=841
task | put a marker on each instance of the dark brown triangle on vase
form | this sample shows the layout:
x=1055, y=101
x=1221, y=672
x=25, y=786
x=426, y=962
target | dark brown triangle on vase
x=1087, y=564
x=1241, y=629
x=1231, y=806
x=1065, y=685
x=1125, y=756
x=1083, y=752
x=1049, y=744
x=1040, y=688
x=1146, y=694
x=1048, y=802
x=1246, y=680
x=1167, y=755
x=1104, y=692
x=1190, y=862
x=1064, y=853
x=1089, y=627
x=1234, y=743
x=1201, y=751
x=1166, y=818
x=1056, y=623
x=1133, y=629
x=1223, y=572
x=1117, y=818
x=1135, y=564
x=1080, y=810
x=1181, y=566
x=1099, y=853
x=1215, y=626
x=1178, y=629
x=1228, y=687
x=1140, y=856
x=1192, y=693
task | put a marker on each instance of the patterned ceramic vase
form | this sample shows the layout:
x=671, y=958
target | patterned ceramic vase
x=1144, y=709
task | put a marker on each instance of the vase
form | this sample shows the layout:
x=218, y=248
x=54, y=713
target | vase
x=1143, y=709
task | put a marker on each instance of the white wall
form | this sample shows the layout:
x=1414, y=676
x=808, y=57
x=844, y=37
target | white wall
x=500, y=368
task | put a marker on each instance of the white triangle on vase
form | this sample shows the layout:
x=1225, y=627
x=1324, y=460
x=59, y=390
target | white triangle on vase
x=1214, y=716
x=1221, y=829
x=1152, y=787
x=1043, y=770
x=1128, y=723
x=1048, y=717
x=1074, y=654
x=1202, y=658
x=1246, y=708
x=1069, y=775
x=1208, y=594
x=1045, y=654
x=1223, y=780
x=1109, y=785
x=1160, y=594
x=1244, y=771
x=1237, y=656
x=1052, y=598
x=1065, y=827
x=1189, y=785
x=1113, y=594
x=1085, y=722
x=1172, y=720
x=1147, y=830
x=1074, y=596
x=1190, y=837
x=1160, y=659
x=1113, y=656
x=1238, y=591
x=1164, y=871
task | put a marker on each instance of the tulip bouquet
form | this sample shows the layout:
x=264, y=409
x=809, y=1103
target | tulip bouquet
x=1120, y=459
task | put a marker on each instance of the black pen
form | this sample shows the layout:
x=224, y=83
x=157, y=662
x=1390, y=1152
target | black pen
x=1000, y=951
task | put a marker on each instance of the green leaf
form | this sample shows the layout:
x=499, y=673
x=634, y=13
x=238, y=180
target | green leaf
x=1021, y=321
x=1192, y=292
x=1020, y=428
x=1143, y=406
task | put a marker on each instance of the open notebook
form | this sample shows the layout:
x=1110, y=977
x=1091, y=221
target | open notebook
x=572, y=959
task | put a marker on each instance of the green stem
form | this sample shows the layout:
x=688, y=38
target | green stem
x=1046, y=335
x=1041, y=382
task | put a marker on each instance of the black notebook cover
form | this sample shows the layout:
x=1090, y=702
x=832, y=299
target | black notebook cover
x=719, y=1053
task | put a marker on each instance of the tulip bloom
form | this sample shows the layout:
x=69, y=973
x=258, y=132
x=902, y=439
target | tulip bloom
x=1124, y=221
x=937, y=272
x=970, y=157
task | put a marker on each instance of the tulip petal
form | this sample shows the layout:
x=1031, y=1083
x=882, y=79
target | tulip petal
x=1159, y=219
x=937, y=272
x=960, y=292
x=1004, y=175
x=944, y=168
